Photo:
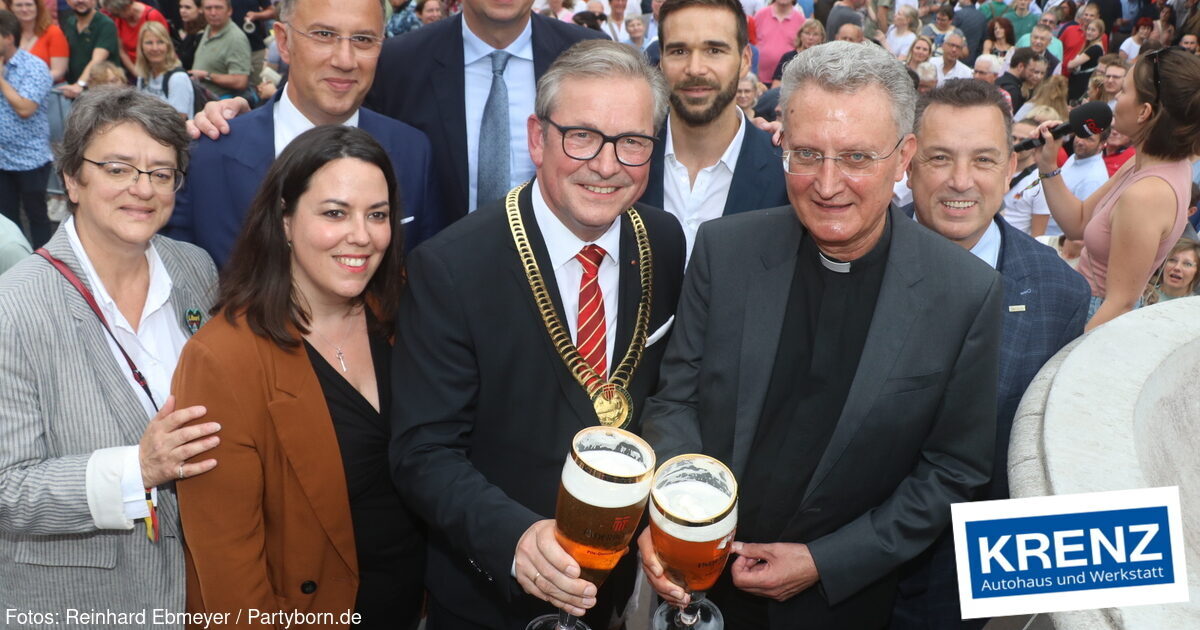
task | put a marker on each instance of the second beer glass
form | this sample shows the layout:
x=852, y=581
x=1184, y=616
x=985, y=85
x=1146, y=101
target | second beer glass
x=693, y=515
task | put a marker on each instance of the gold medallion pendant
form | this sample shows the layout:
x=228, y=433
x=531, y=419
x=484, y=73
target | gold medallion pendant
x=613, y=405
x=610, y=398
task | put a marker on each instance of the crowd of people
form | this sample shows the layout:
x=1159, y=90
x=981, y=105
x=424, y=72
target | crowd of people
x=335, y=284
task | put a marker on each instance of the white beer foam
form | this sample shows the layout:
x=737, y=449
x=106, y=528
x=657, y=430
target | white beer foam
x=697, y=501
x=606, y=494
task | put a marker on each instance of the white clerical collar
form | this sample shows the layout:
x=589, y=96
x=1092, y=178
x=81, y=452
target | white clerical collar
x=475, y=49
x=291, y=122
x=833, y=265
x=730, y=157
x=561, y=243
x=988, y=247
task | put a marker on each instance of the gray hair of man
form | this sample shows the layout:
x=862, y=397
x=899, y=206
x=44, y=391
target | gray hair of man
x=846, y=67
x=98, y=110
x=993, y=63
x=287, y=9
x=599, y=59
x=926, y=71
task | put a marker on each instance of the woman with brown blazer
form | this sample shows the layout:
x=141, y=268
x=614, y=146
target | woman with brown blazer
x=301, y=515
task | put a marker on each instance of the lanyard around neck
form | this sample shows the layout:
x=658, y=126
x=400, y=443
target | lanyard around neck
x=91, y=302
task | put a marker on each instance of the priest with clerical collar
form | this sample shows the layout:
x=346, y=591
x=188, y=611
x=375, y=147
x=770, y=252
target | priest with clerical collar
x=839, y=357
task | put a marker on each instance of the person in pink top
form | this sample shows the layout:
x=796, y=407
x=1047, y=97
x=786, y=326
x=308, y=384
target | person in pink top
x=1129, y=225
x=776, y=25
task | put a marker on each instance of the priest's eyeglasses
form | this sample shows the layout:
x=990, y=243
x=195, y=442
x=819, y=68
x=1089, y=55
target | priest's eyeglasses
x=585, y=143
x=165, y=179
x=806, y=161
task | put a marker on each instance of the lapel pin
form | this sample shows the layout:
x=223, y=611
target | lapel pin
x=191, y=319
x=1016, y=308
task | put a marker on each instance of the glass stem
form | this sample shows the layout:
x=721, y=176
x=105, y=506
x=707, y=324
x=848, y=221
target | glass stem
x=565, y=621
x=689, y=615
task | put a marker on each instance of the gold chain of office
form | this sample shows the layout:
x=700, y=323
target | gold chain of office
x=610, y=399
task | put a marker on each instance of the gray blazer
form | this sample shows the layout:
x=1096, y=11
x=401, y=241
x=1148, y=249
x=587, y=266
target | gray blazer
x=63, y=396
x=918, y=427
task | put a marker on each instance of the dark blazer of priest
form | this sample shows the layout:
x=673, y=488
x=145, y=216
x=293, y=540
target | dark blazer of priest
x=225, y=174
x=758, y=180
x=916, y=432
x=489, y=408
x=420, y=81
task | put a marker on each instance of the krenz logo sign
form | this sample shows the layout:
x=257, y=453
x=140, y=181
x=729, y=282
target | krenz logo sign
x=1053, y=553
x=1071, y=552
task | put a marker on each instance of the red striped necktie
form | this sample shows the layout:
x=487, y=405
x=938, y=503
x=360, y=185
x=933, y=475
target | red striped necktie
x=589, y=335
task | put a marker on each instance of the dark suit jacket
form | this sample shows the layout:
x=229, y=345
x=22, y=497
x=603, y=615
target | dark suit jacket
x=1046, y=307
x=489, y=408
x=429, y=94
x=758, y=180
x=224, y=175
x=917, y=430
x=973, y=23
x=1055, y=301
x=274, y=515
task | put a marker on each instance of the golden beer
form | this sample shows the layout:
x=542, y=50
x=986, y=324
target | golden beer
x=693, y=516
x=601, y=498
x=595, y=537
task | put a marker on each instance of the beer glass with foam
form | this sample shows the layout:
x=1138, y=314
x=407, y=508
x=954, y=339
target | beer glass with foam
x=601, y=497
x=693, y=515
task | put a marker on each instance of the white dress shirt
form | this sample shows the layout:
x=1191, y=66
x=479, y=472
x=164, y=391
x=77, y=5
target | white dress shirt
x=1025, y=200
x=988, y=247
x=115, y=491
x=616, y=31
x=522, y=88
x=290, y=122
x=694, y=203
x=562, y=245
x=959, y=71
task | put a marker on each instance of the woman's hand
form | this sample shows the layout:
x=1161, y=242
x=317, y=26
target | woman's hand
x=169, y=441
x=1047, y=155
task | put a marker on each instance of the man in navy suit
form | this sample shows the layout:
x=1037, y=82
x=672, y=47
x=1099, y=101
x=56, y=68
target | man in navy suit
x=959, y=176
x=328, y=82
x=435, y=79
x=711, y=161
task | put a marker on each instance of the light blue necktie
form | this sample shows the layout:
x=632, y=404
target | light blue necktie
x=493, y=167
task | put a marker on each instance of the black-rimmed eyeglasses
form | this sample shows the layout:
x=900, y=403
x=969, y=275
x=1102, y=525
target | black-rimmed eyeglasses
x=585, y=143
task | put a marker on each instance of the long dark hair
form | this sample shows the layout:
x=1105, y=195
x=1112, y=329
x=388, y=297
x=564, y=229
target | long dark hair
x=258, y=279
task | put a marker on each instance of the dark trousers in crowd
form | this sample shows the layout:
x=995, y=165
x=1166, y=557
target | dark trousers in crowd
x=27, y=189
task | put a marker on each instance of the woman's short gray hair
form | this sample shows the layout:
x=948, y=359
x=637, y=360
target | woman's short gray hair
x=600, y=59
x=636, y=17
x=98, y=110
x=849, y=67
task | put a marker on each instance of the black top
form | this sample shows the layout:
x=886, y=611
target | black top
x=390, y=547
x=824, y=332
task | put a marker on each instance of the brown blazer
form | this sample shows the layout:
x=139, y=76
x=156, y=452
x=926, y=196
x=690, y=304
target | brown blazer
x=269, y=528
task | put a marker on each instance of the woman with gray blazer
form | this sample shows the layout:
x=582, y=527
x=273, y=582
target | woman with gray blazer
x=90, y=330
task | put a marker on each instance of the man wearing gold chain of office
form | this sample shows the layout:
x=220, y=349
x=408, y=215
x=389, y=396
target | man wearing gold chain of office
x=525, y=322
